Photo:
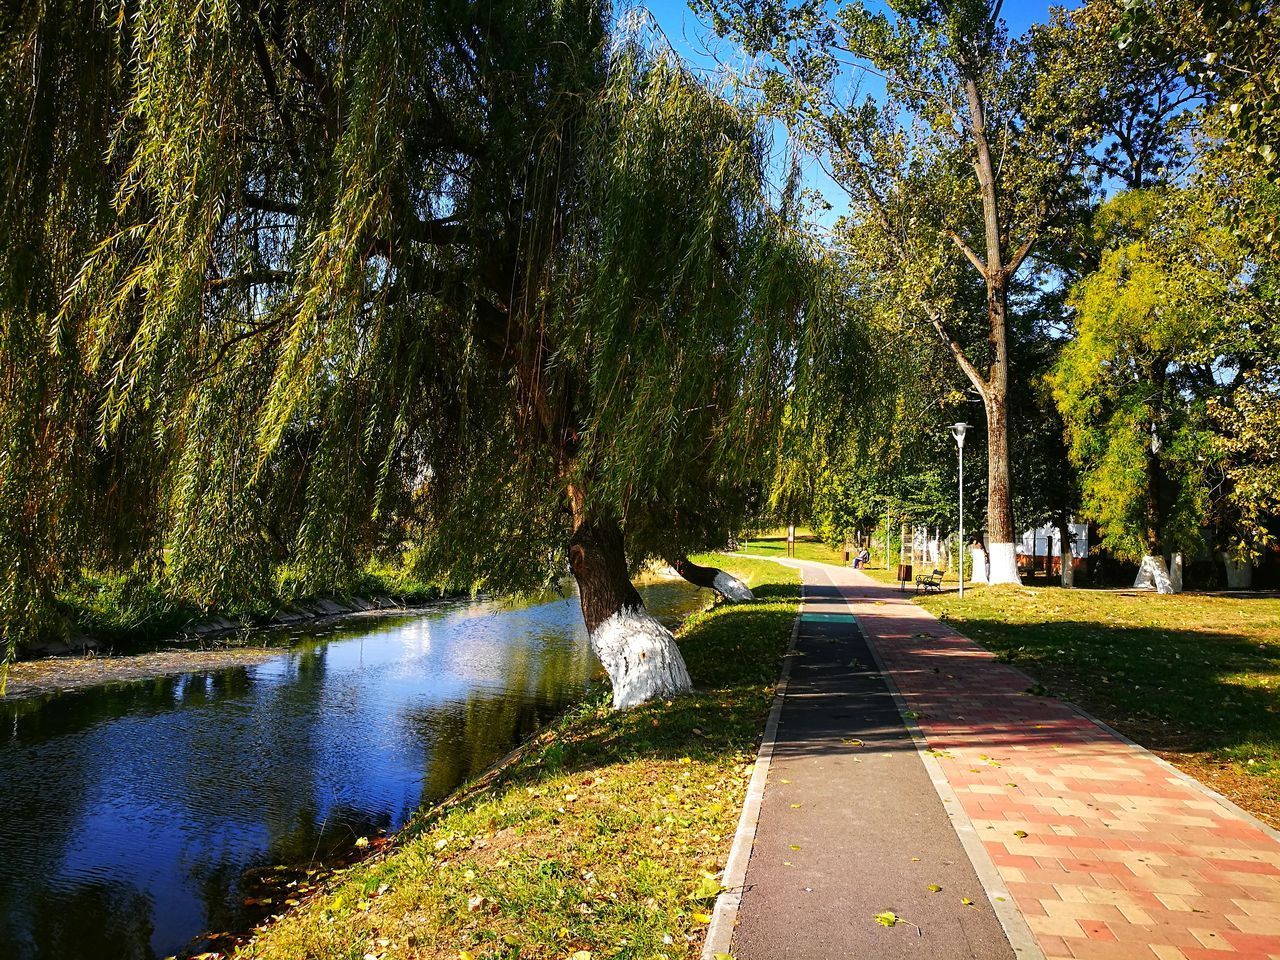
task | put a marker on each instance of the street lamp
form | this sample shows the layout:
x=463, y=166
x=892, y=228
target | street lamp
x=957, y=431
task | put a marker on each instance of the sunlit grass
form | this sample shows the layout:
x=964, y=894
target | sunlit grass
x=1197, y=677
x=808, y=547
x=605, y=837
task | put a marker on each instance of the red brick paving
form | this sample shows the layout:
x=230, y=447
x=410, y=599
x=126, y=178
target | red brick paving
x=1122, y=858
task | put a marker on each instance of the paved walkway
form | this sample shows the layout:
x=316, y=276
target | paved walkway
x=1096, y=847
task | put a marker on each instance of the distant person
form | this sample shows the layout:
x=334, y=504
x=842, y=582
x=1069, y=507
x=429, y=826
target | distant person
x=862, y=559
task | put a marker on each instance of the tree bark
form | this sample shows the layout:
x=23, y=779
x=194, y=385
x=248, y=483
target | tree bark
x=638, y=653
x=713, y=578
x=1065, y=554
x=1000, y=531
x=1154, y=569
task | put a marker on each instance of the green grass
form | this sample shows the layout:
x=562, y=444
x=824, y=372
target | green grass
x=1194, y=676
x=130, y=614
x=808, y=547
x=605, y=837
x=890, y=576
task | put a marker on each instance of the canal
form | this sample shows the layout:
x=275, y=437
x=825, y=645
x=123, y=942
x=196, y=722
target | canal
x=135, y=817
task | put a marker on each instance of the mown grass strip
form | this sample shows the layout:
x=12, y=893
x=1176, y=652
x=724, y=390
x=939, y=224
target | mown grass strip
x=808, y=547
x=604, y=839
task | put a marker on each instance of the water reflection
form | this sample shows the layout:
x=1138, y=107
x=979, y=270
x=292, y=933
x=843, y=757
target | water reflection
x=131, y=812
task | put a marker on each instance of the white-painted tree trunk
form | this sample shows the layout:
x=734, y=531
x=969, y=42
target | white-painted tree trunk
x=1175, y=572
x=1004, y=564
x=1239, y=575
x=1153, y=574
x=1067, y=561
x=731, y=588
x=978, y=564
x=641, y=657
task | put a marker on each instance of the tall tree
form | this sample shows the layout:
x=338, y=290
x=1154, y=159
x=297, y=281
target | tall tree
x=1151, y=348
x=60, y=92
x=968, y=159
x=483, y=254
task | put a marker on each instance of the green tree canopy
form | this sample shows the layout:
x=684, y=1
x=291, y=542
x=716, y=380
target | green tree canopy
x=487, y=267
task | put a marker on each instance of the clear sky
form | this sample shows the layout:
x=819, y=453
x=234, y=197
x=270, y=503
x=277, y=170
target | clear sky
x=693, y=40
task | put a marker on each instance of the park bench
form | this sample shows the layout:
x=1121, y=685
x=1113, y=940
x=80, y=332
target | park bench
x=930, y=584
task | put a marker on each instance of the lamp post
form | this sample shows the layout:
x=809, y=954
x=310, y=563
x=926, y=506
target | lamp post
x=957, y=431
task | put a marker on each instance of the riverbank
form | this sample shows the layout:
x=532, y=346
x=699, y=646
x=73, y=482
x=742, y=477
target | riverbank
x=117, y=613
x=604, y=838
x=57, y=674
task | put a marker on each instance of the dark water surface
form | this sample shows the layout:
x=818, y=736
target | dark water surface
x=130, y=813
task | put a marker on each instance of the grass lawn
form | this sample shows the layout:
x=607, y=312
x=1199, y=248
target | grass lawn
x=890, y=575
x=1195, y=678
x=603, y=840
x=808, y=547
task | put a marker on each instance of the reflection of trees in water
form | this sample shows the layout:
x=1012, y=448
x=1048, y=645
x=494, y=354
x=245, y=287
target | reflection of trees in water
x=464, y=738
x=223, y=887
x=51, y=765
x=242, y=752
x=95, y=919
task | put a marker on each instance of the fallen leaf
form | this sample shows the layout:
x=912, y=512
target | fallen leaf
x=702, y=917
x=886, y=918
x=706, y=888
x=933, y=888
x=1019, y=833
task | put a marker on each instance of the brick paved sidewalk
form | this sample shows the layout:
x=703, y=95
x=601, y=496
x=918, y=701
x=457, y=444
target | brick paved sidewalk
x=1108, y=852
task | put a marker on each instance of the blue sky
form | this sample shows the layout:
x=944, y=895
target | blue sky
x=691, y=37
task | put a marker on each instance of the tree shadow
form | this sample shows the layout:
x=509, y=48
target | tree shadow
x=1177, y=690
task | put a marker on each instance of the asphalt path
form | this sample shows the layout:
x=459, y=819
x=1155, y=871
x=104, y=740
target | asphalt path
x=850, y=824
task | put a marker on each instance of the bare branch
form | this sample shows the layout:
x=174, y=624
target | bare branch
x=1020, y=254
x=957, y=351
x=968, y=251
x=250, y=278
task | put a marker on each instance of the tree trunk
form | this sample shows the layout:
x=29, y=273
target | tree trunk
x=1065, y=554
x=1153, y=574
x=978, y=563
x=713, y=578
x=997, y=269
x=1175, y=562
x=1003, y=557
x=1239, y=573
x=1154, y=569
x=638, y=653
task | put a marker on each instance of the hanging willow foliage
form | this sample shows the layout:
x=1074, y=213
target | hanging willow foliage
x=60, y=83
x=411, y=269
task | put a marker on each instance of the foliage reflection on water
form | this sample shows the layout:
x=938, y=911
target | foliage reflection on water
x=133, y=811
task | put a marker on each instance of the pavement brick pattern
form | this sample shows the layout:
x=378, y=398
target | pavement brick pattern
x=1108, y=853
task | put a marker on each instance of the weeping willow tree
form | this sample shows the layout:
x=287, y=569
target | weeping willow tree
x=482, y=266
x=60, y=89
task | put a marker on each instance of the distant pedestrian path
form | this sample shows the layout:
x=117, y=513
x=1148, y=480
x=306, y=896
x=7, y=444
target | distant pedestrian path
x=1011, y=825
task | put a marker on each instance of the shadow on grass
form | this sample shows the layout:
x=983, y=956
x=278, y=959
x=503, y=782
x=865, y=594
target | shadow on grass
x=1184, y=689
x=734, y=654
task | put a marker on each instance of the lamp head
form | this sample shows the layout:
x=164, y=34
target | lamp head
x=957, y=431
